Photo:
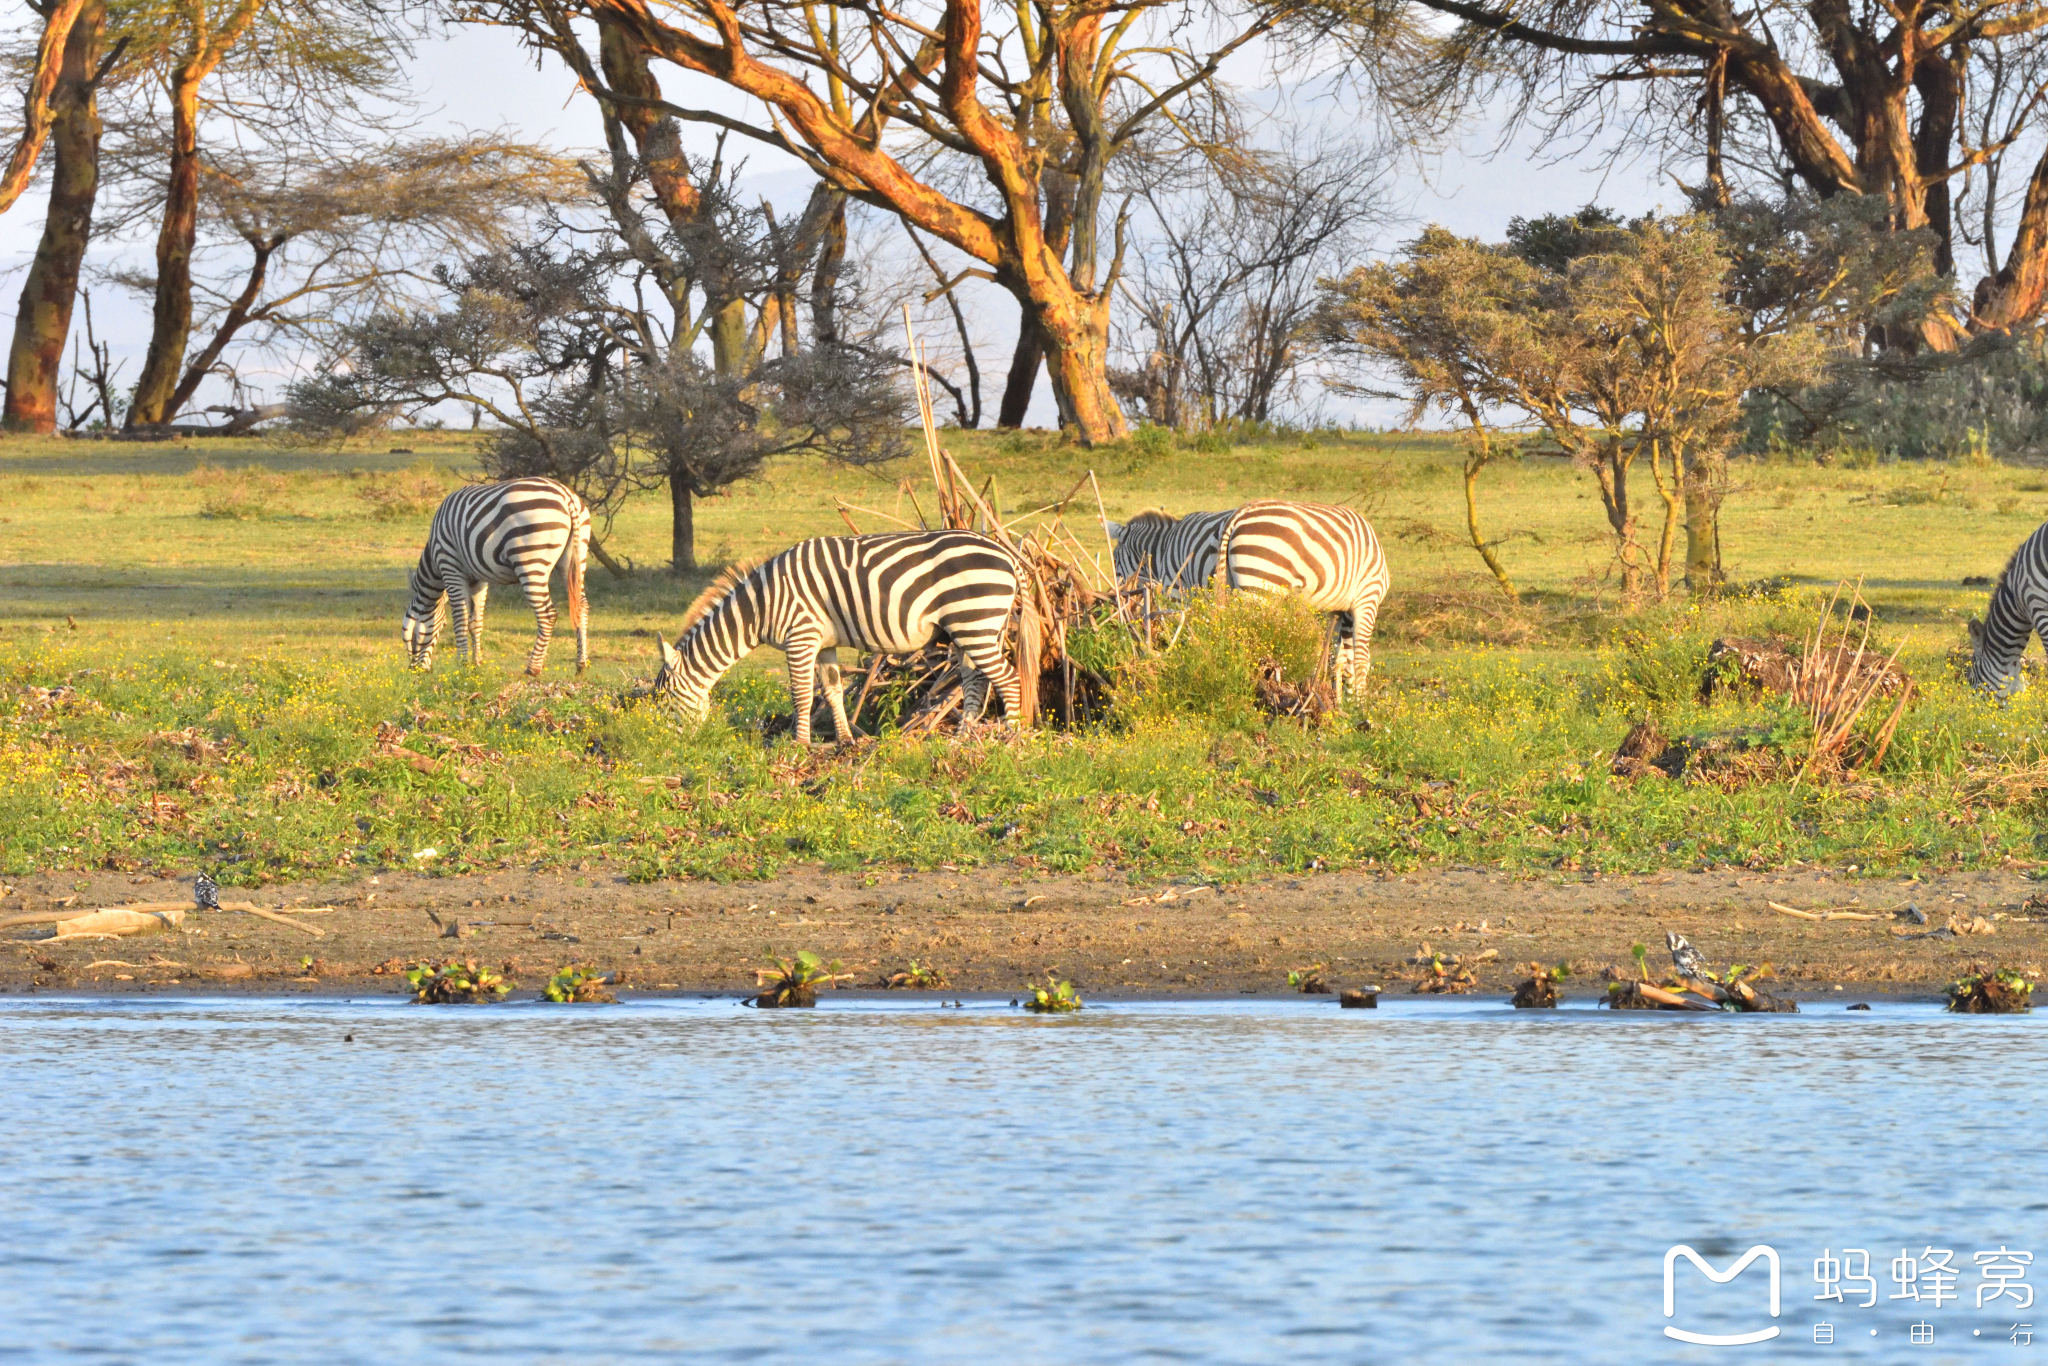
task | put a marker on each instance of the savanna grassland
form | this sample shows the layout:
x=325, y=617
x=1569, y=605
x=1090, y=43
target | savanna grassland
x=202, y=669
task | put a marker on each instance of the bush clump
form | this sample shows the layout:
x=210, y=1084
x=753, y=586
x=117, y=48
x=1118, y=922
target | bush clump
x=1208, y=658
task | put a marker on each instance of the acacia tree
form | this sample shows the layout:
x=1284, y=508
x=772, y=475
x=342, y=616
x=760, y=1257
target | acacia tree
x=1451, y=319
x=1916, y=105
x=294, y=243
x=1631, y=353
x=834, y=76
x=587, y=360
x=297, y=71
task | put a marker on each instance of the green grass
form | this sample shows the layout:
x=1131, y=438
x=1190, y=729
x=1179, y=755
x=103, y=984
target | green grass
x=227, y=617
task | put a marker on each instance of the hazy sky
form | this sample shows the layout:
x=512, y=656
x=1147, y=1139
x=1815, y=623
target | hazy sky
x=475, y=78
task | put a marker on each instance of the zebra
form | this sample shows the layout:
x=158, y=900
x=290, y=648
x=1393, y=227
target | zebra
x=507, y=532
x=2019, y=607
x=1328, y=555
x=1178, y=552
x=891, y=593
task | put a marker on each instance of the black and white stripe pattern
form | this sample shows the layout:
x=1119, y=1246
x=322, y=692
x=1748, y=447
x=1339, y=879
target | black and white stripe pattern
x=1178, y=552
x=510, y=532
x=2019, y=607
x=1326, y=554
x=888, y=594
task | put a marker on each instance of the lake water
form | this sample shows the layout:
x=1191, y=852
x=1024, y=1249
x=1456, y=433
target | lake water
x=231, y=1181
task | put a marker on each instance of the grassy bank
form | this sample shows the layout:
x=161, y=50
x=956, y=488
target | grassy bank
x=201, y=666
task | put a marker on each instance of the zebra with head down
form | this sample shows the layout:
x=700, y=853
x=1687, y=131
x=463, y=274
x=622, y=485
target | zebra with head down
x=2018, y=609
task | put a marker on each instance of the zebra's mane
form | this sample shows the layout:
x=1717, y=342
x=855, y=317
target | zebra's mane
x=720, y=589
x=1151, y=517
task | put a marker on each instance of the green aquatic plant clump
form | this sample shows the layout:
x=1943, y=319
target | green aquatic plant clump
x=455, y=983
x=579, y=986
x=1052, y=998
x=794, y=982
x=2003, y=991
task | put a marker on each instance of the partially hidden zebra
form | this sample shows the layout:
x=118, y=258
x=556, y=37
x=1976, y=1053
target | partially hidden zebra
x=892, y=593
x=1179, y=552
x=2019, y=608
x=514, y=531
x=1324, y=553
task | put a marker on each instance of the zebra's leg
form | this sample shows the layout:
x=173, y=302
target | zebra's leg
x=1347, y=641
x=1363, y=617
x=801, y=655
x=535, y=586
x=985, y=655
x=459, y=615
x=973, y=696
x=835, y=695
x=479, y=594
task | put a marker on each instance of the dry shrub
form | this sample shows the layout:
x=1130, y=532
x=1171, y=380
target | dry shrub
x=1477, y=615
x=243, y=495
x=1836, y=680
x=401, y=494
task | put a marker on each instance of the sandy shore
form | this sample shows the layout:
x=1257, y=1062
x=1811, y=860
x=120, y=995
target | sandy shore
x=991, y=930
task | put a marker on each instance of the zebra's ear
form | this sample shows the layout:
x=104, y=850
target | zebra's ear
x=1115, y=529
x=668, y=652
x=1976, y=632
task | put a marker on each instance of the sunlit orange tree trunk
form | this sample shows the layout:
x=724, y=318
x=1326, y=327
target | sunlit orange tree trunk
x=208, y=40
x=42, y=322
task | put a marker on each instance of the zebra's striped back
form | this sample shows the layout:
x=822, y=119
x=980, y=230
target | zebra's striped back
x=1326, y=554
x=1179, y=552
x=889, y=594
x=2019, y=607
x=513, y=531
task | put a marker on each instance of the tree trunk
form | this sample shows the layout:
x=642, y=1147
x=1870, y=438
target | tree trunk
x=825, y=277
x=1024, y=363
x=1477, y=458
x=682, y=535
x=1702, y=523
x=2013, y=297
x=171, y=325
x=1074, y=330
x=42, y=324
x=729, y=339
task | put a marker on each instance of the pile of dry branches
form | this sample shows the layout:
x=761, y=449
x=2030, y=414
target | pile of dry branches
x=1063, y=584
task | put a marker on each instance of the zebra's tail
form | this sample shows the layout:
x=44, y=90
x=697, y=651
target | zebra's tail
x=1029, y=642
x=572, y=583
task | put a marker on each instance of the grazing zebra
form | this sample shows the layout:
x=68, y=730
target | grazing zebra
x=2019, y=606
x=1179, y=552
x=1326, y=554
x=507, y=532
x=889, y=594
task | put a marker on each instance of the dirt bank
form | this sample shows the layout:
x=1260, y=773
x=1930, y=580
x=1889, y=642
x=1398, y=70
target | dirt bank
x=992, y=930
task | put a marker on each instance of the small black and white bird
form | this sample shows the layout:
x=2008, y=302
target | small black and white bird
x=1684, y=956
x=205, y=893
